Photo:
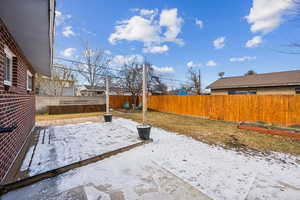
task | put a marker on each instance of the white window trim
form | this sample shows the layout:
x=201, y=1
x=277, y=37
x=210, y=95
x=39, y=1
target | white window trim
x=29, y=74
x=10, y=55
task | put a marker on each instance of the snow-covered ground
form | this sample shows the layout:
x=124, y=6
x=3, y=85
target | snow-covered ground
x=62, y=145
x=219, y=173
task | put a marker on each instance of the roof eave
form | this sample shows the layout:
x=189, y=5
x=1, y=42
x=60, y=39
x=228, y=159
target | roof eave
x=33, y=30
x=253, y=86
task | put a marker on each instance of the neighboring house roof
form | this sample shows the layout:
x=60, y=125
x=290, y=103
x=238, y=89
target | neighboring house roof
x=286, y=78
x=31, y=23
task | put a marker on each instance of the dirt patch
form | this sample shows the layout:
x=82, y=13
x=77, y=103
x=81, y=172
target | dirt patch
x=59, y=122
x=47, y=117
x=217, y=132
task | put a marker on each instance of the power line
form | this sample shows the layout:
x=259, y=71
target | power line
x=82, y=71
x=101, y=75
x=174, y=80
x=83, y=63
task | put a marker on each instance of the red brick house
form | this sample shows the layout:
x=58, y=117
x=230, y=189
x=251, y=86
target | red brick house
x=26, y=38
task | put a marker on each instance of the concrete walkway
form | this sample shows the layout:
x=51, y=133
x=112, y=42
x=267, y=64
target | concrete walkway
x=144, y=182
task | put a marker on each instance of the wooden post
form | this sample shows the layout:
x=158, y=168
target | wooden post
x=107, y=94
x=144, y=93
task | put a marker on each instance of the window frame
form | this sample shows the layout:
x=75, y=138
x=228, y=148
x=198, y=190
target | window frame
x=242, y=92
x=10, y=56
x=29, y=74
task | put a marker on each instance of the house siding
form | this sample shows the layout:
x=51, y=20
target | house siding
x=17, y=105
x=262, y=91
x=219, y=92
x=276, y=90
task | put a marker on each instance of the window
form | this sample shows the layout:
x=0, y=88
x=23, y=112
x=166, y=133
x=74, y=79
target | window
x=8, y=66
x=297, y=90
x=29, y=81
x=242, y=92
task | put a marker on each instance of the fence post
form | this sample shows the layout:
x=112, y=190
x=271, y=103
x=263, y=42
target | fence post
x=144, y=93
x=107, y=94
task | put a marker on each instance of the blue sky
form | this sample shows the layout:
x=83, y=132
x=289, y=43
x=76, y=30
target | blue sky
x=212, y=35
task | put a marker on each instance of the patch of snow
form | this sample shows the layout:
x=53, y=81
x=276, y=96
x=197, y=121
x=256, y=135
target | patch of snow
x=41, y=135
x=220, y=173
x=217, y=172
x=93, y=194
x=46, y=137
x=26, y=161
x=75, y=142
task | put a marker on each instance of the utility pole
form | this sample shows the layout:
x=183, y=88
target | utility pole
x=107, y=94
x=145, y=69
x=199, y=78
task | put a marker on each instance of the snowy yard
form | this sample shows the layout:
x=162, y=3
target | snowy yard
x=62, y=145
x=150, y=171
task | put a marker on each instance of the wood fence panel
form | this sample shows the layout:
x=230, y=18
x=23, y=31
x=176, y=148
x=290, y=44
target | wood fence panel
x=116, y=101
x=276, y=109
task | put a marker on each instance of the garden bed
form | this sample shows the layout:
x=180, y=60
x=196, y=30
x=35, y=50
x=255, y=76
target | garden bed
x=285, y=132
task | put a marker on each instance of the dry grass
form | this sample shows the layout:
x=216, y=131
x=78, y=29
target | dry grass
x=47, y=117
x=218, y=132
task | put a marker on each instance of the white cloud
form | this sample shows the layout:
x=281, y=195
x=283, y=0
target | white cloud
x=242, y=59
x=219, y=43
x=136, y=28
x=169, y=19
x=120, y=60
x=163, y=69
x=254, y=42
x=68, y=52
x=67, y=31
x=149, y=30
x=192, y=64
x=60, y=18
x=156, y=49
x=108, y=52
x=211, y=63
x=147, y=12
x=199, y=23
x=267, y=15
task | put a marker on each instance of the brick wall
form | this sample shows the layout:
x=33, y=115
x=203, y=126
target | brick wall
x=17, y=105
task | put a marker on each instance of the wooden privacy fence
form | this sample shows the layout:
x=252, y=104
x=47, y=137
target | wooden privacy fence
x=276, y=109
x=116, y=101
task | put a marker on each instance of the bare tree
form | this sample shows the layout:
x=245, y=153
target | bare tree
x=157, y=85
x=221, y=74
x=195, y=78
x=250, y=72
x=96, y=61
x=61, y=78
x=131, y=79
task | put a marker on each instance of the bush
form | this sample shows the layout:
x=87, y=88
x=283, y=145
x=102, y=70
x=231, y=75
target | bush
x=126, y=105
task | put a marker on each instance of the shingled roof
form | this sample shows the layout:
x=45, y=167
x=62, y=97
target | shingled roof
x=286, y=78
